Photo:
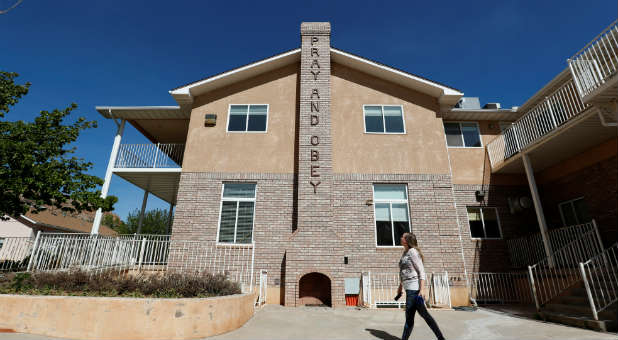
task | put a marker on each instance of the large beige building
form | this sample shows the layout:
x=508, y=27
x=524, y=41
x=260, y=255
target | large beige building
x=322, y=159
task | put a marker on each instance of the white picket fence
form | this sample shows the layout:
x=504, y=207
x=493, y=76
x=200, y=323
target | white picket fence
x=380, y=289
x=127, y=254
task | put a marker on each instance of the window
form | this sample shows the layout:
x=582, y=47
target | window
x=484, y=222
x=1, y=242
x=384, y=119
x=247, y=118
x=463, y=135
x=391, y=213
x=574, y=212
x=237, y=211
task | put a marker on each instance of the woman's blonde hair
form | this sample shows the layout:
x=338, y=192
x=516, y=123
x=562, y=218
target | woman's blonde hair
x=413, y=243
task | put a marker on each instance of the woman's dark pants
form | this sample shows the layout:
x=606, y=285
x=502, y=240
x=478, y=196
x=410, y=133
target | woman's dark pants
x=411, y=307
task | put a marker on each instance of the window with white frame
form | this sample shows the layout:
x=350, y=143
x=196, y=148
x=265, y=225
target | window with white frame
x=391, y=213
x=462, y=134
x=384, y=119
x=574, y=212
x=247, y=118
x=484, y=222
x=237, y=212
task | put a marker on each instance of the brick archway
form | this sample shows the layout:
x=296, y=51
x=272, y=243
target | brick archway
x=314, y=289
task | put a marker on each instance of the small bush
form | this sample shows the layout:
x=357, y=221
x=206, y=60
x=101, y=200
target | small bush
x=168, y=285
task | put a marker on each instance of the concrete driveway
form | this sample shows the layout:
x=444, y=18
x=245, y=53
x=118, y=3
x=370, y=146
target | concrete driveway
x=277, y=322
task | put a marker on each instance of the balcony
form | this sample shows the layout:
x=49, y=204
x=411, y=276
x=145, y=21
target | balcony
x=554, y=111
x=150, y=156
x=594, y=67
x=153, y=167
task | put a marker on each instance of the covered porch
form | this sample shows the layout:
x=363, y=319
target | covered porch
x=153, y=167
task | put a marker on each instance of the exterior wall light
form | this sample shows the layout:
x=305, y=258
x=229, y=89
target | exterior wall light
x=210, y=119
x=369, y=202
x=480, y=195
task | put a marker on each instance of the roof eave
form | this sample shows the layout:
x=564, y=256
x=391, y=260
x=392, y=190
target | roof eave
x=447, y=96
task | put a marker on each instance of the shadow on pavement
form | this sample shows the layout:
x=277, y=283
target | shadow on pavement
x=381, y=334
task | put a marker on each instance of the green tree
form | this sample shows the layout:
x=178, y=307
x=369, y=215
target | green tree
x=114, y=222
x=155, y=222
x=36, y=166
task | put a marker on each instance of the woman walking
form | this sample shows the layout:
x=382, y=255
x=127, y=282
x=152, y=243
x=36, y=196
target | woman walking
x=412, y=279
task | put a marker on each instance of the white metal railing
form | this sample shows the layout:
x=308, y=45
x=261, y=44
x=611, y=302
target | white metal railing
x=383, y=290
x=597, y=62
x=150, y=156
x=556, y=109
x=141, y=253
x=15, y=253
x=380, y=289
x=528, y=250
x=500, y=288
x=551, y=276
x=600, y=276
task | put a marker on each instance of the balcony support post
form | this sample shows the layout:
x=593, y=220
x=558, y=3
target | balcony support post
x=141, y=213
x=538, y=207
x=108, y=175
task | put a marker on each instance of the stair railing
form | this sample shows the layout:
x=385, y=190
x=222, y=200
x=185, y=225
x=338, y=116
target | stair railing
x=600, y=276
x=549, y=280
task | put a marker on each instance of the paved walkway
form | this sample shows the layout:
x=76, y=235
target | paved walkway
x=277, y=322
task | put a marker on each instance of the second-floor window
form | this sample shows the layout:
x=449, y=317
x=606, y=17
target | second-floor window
x=247, y=118
x=384, y=119
x=462, y=135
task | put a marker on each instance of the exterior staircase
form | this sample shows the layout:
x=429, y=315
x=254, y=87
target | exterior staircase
x=573, y=308
x=578, y=284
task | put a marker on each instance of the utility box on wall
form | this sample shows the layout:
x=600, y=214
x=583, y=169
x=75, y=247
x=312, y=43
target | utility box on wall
x=352, y=289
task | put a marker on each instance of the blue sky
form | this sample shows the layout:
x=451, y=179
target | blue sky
x=132, y=52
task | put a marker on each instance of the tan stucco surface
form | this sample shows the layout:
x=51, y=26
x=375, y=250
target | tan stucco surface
x=420, y=150
x=124, y=318
x=212, y=149
x=472, y=166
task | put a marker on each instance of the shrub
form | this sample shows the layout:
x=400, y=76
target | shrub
x=168, y=285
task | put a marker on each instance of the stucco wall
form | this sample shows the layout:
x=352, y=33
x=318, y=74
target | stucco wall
x=124, y=318
x=420, y=150
x=212, y=149
x=472, y=166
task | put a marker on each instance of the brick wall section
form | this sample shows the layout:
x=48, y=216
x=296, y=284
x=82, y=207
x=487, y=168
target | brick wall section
x=492, y=255
x=432, y=216
x=198, y=208
x=597, y=184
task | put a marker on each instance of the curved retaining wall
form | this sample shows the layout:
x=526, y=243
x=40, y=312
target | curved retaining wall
x=124, y=318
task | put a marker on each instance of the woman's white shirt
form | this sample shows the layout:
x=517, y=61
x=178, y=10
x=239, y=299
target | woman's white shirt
x=411, y=269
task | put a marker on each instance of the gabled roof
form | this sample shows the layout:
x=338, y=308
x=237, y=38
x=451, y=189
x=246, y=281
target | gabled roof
x=447, y=96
